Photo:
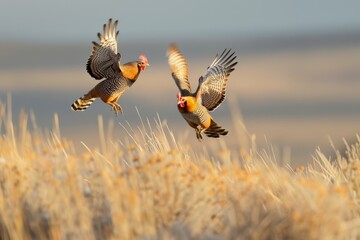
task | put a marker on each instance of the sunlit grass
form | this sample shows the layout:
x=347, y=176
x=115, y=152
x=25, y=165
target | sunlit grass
x=150, y=185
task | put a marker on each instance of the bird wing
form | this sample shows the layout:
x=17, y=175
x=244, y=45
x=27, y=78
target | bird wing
x=104, y=60
x=212, y=85
x=179, y=69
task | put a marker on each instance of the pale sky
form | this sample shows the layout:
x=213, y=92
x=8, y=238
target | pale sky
x=69, y=20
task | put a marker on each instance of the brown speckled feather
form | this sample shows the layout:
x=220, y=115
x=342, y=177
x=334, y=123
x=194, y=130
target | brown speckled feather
x=104, y=59
x=212, y=86
x=179, y=68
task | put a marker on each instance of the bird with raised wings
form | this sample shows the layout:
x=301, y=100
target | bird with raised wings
x=104, y=64
x=209, y=94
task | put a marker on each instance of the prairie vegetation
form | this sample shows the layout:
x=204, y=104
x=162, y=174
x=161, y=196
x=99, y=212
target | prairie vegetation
x=151, y=185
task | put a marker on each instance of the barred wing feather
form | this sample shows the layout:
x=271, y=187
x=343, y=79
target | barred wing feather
x=104, y=59
x=179, y=68
x=212, y=86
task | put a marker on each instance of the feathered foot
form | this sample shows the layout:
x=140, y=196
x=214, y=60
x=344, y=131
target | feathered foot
x=198, y=131
x=116, y=108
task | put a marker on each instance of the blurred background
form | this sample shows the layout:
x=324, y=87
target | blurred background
x=296, y=84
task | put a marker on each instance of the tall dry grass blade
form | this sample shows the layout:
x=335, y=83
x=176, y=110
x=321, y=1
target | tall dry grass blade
x=172, y=136
x=101, y=134
x=56, y=126
x=2, y=117
x=239, y=124
x=142, y=129
x=110, y=130
x=142, y=122
x=33, y=121
x=132, y=137
x=267, y=156
x=9, y=109
x=286, y=155
x=59, y=145
x=151, y=143
x=12, y=138
x=159, y=136
x=87, y=148
x=23, y=129
x=10, y=131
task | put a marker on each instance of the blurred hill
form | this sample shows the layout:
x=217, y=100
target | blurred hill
x=31, y=55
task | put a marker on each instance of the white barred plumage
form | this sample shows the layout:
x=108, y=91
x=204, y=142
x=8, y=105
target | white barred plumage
x=82, y=103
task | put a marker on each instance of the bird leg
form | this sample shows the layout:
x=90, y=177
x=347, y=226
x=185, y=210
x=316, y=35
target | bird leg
x=116, y=108
x=198, y=131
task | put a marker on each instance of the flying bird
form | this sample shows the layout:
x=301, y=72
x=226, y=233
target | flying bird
x=210, y=93
x=104, y=64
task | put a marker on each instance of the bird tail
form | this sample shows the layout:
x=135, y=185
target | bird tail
x=82, y=103
x=215, y=130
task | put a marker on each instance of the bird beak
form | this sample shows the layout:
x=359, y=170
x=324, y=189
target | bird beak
x=147, y=65
x=181, y=104
x=180, y=100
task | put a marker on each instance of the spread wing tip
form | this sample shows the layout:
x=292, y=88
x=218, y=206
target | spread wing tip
x=104, y=53
x=172, y=48
x=215, y=79
x=179, y=68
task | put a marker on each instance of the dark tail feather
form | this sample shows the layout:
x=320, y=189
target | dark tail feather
x=215, y=130
x=82, y=103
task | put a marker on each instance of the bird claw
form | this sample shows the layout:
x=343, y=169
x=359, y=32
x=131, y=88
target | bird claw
x=116, y=108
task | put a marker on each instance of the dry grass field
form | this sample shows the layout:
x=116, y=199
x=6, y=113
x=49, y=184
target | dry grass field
x=150, y=185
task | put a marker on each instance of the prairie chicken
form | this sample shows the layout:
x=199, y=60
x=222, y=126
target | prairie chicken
x=209, y=94
x=104, y=63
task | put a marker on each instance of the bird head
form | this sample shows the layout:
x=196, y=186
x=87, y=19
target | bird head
x=143, y=62
x=181, y=101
